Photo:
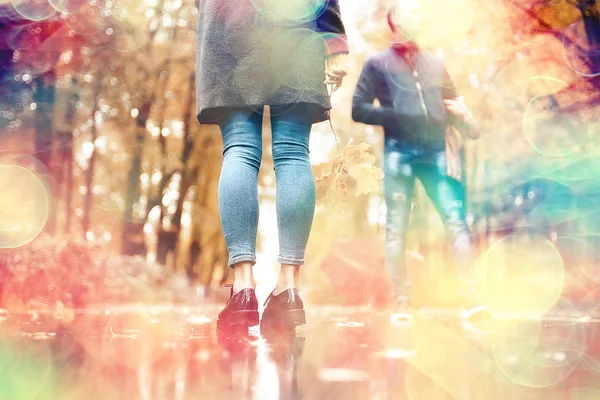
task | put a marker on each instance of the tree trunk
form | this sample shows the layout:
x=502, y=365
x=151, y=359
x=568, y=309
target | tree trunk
x=133, y=188
x=67, y=159
x=64, y=177
x=130, y=227
x=43, y=96
x=89, y=176
x=168, y=240
x=188, y=177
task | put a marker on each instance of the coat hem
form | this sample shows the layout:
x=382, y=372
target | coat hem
x=213, y=115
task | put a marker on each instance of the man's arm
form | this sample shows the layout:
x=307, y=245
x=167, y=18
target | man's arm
x=462, y=119
x=363, y=109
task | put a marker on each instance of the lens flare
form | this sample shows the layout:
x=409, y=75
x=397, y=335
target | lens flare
x=535, y=353
x=124, y=42
x=532, y=73
x=89, y=21
x=419, y=387
x=436, y=347
x=584, y=394
x=69, y=6
x=541, y=85
x=593, y=152
x=581, y=256
x=577, y=52
x=522, y=275
x=294, y=12
x=132, y=12
x=435, y=23
x=24, y=206
x=555, y=205
x=286, y=60
x=550, y=131
x=20, y=370
x=35, y=10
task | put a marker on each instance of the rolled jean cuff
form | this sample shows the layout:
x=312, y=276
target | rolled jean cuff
x=241, y=258
x=290, y=260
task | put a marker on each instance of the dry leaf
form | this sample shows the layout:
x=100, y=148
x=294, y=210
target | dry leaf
x=367, y=180
x=358, y=154
x=351, y=173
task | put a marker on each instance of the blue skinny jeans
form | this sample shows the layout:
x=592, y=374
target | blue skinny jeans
x=238, y=184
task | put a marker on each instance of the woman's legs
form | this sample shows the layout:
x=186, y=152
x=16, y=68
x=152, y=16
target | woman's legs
x=238, y=191
x=295, y=189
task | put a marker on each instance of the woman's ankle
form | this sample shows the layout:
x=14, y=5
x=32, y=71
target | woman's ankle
x=288, y=278
x=280, y=288
x=242, y=277
x=238, y=287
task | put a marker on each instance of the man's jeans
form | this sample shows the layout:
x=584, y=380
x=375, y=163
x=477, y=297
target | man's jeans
x=402, y=167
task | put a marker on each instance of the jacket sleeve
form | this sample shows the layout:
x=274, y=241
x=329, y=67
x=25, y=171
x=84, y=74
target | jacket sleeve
x=330, y=24
x=363, y=109
x=449, y=90
x=468, y=125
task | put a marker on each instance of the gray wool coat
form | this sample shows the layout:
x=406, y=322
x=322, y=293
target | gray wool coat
x=250, y=55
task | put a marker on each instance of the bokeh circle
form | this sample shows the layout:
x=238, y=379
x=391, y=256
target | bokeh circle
x=36, y=10
x=24, y=205
x=522, y=274
x=549, y=130
x=540, y=352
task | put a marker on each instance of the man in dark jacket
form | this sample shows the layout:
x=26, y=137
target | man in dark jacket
x=418, y=101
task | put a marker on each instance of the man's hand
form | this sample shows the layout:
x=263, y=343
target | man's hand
x=465, y=121
x=457, y=107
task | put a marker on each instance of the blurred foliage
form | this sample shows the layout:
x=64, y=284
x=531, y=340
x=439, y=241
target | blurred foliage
x=125, y=141
x=51, y=276
x=124, y=111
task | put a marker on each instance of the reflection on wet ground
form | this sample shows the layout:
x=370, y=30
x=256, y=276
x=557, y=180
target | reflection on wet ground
x=342, y=353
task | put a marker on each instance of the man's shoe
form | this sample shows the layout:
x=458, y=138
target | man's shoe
x=401, y=295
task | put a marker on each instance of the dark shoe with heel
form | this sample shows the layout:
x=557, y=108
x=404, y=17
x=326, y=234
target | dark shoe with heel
x=285, y=309
x=240, y=310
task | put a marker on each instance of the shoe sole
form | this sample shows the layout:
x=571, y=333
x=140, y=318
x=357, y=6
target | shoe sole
x=239, y=318
x=289, y=318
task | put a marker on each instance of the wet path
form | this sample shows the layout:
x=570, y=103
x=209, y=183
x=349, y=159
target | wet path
x=342, y=353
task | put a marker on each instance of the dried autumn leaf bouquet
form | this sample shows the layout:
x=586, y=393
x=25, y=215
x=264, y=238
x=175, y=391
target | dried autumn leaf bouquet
x=351, y=173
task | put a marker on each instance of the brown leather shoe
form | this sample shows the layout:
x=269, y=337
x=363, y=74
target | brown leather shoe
x=285, y=309
x=241, y=309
